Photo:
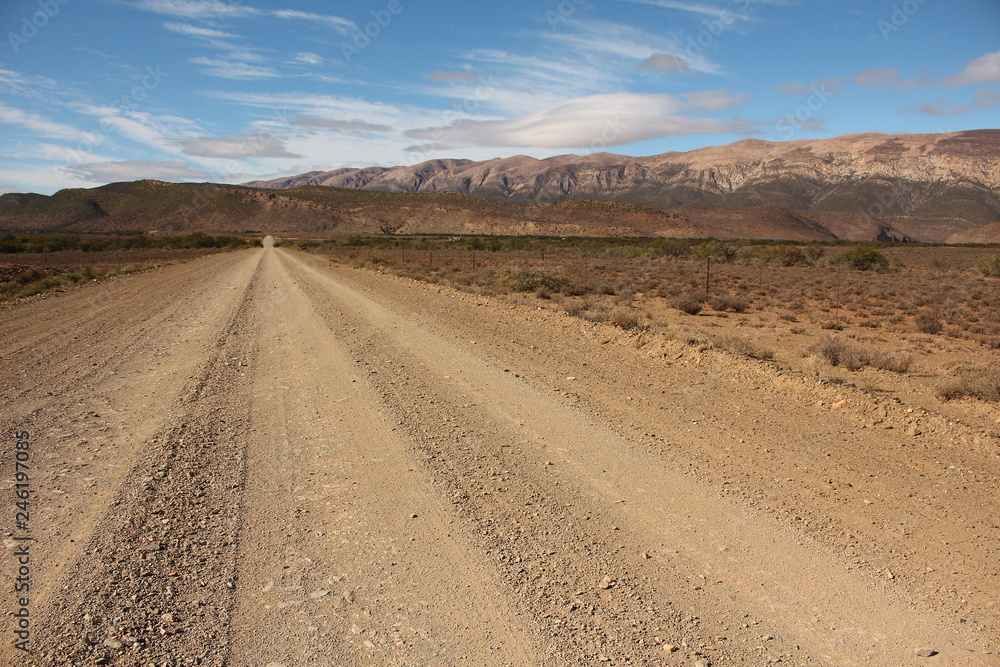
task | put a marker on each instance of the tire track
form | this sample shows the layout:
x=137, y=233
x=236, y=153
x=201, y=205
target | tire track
x=157, y=580
x=349, y=555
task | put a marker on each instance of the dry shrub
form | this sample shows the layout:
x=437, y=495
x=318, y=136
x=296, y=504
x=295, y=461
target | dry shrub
x=744, y=347
x=688, y=303
x=928, y=324
x=981, y=383
x=854, y=357
x=529, y=280
x=735, y=304
x=626, y=319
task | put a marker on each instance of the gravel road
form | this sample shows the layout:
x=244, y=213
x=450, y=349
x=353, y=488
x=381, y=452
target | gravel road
x=261, y=459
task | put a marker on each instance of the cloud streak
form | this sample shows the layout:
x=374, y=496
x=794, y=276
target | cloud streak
x=605, y=120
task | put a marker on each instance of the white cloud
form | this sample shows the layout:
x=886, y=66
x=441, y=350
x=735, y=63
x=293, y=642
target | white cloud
x=262, y=145
x=233, y=69
x=941, y=108
x=693, y=8
x=197, y=9
x=714, y=100
x=886, y=78
x=42, y=126
x=604, y=120
x=439, y=75
x=339, y=125
x=339, y=24
x=132, y=170
x=195, y=31
x=664, y=63
x=984, y=69
x=305, y=58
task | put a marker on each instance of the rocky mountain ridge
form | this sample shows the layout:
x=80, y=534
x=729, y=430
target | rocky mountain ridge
x=924, y=187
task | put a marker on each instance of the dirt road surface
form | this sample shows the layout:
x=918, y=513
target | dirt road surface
x=261, y=459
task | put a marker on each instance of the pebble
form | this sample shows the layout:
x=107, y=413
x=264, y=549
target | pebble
x=926, y=652
x=914, y=431
x=702, y=662
x=348, y=596
x=322, y=592
x=838, y=405
x=670, y=648
x=111, y=642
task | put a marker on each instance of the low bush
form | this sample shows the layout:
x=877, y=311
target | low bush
x=735, y=304
x=626, y=319
x=989, y=267
x=927, y=323
x=854, y=357
x=530, y=280
x=744, y=347
x=865, y=258
x=688, y=303
x=980, y=383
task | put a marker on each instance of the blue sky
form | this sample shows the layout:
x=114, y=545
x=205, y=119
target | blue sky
x=97, y=91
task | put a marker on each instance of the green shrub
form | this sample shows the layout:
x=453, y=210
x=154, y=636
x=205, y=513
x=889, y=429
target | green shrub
x=530, y=280
x=865, y=258
x=989, y=267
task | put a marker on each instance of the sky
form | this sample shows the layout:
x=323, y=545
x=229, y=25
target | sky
x=228, y=91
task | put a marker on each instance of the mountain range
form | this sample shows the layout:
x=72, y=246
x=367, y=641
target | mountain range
x=926, y=187
x=865, y=187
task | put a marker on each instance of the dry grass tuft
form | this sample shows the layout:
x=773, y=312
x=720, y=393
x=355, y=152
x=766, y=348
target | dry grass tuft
x=854, y=357
x=980, y=383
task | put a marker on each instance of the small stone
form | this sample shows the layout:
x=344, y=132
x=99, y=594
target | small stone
x=112, y=643
x=670, y=648
x=348, y=596
x=317, y=594
x=926, y=653
x=571, y=377
x=914, y=431
x=838, y=405
x=702, y=662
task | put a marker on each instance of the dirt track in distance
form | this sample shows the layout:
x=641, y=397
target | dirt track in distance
x=260, y=459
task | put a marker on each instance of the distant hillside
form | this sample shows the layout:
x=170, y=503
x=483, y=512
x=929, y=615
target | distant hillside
x=170, y=207
x=862, y=187
x=13, y=200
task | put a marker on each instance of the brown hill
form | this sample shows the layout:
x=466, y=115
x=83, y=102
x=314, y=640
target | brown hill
x=923, y=187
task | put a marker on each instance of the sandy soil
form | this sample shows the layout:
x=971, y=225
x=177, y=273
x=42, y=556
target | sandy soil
x=260, y=459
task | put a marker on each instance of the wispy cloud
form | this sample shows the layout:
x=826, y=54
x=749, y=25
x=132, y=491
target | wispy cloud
x=234, y=69
x=887, y=78
x=984, y=69
x=339, y=125
x=698, y=8
x=941, y=108
x=664, y=63
x=43, y=127
x=197, y=9
x=247, y=146
x=604, y=120
x=130, y=170
x=342, y=25
x=439, y=75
